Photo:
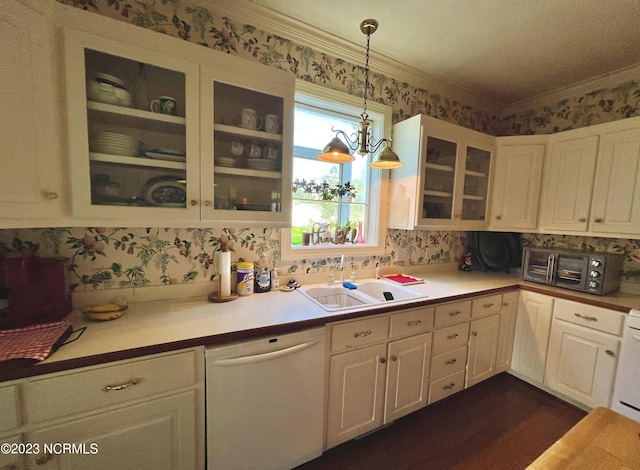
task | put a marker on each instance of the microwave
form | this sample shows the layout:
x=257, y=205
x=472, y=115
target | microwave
x=594, y=273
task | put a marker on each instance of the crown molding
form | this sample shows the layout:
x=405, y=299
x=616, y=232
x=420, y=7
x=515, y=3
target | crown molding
x=304, y=34
x=607, y=80
x=274, y=22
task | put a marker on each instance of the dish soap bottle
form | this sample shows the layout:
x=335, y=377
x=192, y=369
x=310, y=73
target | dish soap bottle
x=275, y=280
x=263, y=281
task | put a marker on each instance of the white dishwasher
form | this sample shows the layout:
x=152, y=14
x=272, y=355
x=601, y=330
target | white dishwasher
x=265, y=402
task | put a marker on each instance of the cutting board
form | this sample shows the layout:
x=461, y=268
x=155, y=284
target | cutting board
x=603, y=439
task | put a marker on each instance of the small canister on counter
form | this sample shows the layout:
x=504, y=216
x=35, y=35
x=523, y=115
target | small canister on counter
x=245, y=278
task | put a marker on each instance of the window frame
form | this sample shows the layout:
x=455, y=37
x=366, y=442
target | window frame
x=332, y=100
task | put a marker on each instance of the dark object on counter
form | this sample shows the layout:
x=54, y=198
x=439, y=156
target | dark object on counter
x=495, y=251
x=36, y=289
x=262, y=281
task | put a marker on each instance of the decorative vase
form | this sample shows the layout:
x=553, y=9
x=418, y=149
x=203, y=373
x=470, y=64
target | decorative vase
x=360, y=238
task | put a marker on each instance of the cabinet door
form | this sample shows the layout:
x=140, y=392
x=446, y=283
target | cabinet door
x=407, y=376
x=483, y=346
x=517, y=185
x=32, y=170
x=567, y=200
x=127, y=161
x=582, y=363
x=356, y=393
x=533, y=323
x=158, y=434
x=507, y=330
x=616, y=191
x=247, y=147
x=476, y=185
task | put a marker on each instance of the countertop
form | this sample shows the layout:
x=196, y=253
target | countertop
x=158, y=326
x=603, y=439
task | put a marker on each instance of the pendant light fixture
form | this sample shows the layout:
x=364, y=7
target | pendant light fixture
x=337, y=151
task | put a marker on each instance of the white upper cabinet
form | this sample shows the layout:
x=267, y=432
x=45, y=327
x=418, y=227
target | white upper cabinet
x=592, y=181
x=446, y=178
x=127, y=161
x=516, y=190
x=151, y=125
x=569, y=186
x=616, y=192
x=32, y=170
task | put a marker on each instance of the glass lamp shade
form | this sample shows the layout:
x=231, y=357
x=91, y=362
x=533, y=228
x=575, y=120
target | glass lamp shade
x=336, y=151
x=386, y=159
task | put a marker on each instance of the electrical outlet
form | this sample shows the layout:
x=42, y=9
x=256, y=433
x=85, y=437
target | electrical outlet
x=402, y=254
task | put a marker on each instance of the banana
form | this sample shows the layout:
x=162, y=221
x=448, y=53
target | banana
x=101, y=308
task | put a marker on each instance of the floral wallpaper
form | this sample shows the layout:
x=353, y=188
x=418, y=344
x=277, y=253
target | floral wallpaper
x=119, y=257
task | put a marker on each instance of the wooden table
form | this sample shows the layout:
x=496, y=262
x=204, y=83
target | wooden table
x=603, y=439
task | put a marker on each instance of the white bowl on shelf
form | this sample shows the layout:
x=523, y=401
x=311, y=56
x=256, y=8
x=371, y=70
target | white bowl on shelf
x=225, y=161
x=108, y=89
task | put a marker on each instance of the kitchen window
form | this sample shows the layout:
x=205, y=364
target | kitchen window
x=336, y=208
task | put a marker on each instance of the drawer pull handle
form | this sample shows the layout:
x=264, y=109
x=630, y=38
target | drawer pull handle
x=362, y=334
x=489, y=305
x=585, y=317
x=452, y=361
x=453, y=336
x=455, y=314
x=448, y=387
x=414, y=323
x=115, y=388
x=610, y=353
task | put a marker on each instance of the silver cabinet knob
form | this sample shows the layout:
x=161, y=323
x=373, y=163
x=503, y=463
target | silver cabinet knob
x=193, y=202
x=394, y=358
x=52, y=196
x=207, y=203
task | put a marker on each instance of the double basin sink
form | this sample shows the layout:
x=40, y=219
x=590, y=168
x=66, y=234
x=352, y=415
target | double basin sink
x=368, y=293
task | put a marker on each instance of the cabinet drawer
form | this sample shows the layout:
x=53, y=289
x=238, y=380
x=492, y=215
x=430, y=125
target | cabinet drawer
x=90, y=388
x=598, y=318
x=9, y=406
x=446, y=386
x=486, y=305
x=412, y=321
x=448, y=362
x=359, y=333
x=450, y=337
x=452, y=313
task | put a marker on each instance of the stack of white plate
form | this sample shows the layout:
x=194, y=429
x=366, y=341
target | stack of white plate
x=115, y=144
x=261, y=164
x=225, y=161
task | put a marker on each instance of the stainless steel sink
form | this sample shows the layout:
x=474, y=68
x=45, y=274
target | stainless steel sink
x=369, y=293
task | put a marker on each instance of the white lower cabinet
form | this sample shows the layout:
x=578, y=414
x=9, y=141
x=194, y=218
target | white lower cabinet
x=483, y=347
x=356, y=393
x=133, y=414
x=158, y=433
x=507, y=331
x=383, y=380
x=583, y=352
x=531, y=340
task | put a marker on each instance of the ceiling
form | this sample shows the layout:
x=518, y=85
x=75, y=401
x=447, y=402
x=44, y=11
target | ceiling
x=504, y=51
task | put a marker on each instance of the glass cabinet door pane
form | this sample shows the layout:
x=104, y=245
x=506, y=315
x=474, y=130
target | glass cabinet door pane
x=476, y=184
x=137, y=148
x=438, y=190
x=247, y=148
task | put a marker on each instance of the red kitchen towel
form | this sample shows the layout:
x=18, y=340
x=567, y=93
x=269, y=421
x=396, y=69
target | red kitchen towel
x=33, y=342
x=403, y=279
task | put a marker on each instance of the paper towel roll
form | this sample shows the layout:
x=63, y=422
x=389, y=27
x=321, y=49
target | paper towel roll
x=224, y=270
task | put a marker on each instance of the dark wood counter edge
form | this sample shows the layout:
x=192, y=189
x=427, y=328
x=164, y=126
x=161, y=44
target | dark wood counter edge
x=243, y=335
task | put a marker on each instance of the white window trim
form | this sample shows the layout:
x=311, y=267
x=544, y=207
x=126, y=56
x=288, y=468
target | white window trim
x=315, y=95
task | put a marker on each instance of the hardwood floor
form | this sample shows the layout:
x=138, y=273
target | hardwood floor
x=502, y=423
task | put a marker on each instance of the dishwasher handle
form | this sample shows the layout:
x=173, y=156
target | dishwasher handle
x=234, y=361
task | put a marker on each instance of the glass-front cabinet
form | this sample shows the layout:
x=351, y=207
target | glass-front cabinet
x=447, y=168
x=247, y=131
x=157, y=138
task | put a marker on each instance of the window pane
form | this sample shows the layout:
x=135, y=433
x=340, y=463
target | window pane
x=321, y=218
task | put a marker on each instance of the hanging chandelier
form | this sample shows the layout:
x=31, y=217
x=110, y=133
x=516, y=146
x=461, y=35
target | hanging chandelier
x=362, y=141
